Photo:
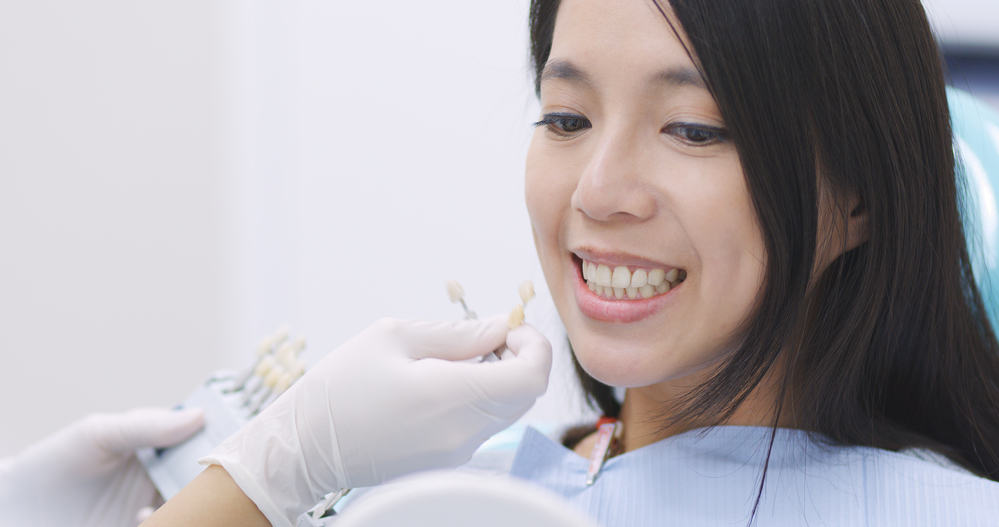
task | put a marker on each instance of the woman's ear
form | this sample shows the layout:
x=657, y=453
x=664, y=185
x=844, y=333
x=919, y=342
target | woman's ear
x=856, y=223
x=842, y=225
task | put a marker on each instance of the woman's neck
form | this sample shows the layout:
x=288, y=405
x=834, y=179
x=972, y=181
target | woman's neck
x=643, y=412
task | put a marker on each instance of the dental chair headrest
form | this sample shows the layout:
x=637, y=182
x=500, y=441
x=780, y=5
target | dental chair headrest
x=976, y=145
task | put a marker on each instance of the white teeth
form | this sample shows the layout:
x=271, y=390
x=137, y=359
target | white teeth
x=621, y=278
x=639, y=278
x=603, y=275
x=619, y=282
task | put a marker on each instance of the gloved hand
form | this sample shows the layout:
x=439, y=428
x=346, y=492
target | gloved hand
x=388, y=402
x=87, y=474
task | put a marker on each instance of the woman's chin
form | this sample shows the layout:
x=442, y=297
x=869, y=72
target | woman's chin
x=634, y=364
x=621, y=368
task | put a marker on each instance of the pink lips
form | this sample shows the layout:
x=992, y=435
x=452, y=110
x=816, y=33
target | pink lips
x=623, y=311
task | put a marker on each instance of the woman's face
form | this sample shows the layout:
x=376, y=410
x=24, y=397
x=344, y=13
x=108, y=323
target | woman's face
x=632, y=180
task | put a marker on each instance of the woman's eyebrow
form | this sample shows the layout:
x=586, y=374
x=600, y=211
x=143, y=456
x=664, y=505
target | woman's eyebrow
x=563, y=69
x=674, y=77
x=680, y=76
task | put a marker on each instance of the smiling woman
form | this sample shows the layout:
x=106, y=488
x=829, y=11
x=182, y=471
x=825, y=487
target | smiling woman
x=793, y=161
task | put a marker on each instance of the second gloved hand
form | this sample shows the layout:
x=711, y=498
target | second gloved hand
x=86, y=475
x=391, y=401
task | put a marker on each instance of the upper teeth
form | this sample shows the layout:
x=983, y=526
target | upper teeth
x=620, y=280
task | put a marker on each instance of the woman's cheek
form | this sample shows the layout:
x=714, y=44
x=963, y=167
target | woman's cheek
x=547, y=193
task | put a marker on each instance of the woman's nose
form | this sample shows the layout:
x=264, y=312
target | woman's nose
x=613, y=186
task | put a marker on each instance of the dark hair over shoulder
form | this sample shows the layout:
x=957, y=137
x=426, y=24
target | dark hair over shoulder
x=891, y=346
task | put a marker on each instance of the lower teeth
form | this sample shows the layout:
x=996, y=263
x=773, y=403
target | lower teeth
x=620, y=293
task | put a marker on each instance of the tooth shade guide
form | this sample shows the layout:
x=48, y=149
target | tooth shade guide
x=454, y=290
x=516, y=317
x=526, y=291
x=457, y=294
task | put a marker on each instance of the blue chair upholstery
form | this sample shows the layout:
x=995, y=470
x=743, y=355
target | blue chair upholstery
x=976, y=143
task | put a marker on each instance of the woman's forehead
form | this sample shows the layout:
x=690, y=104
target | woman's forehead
x=601, y=41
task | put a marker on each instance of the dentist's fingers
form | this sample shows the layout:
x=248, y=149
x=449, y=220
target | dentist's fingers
x=450, y=340
x=145, y=427
x=519, y=377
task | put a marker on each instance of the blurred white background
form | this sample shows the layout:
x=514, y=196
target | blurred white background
x=180, y=178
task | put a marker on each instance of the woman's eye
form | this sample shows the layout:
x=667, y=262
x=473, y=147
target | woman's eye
x=697, y=135
x=564, y=124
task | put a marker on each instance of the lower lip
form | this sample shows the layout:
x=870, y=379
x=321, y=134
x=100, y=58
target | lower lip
x=623, y=311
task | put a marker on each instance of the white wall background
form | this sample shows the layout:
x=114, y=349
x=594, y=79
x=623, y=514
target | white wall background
x=179, y=178
x=967, y=24
x=114, y=253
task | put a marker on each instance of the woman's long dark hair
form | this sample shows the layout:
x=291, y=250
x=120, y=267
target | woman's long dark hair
x=891, y=346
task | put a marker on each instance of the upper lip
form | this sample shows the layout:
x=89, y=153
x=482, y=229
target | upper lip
x=617, y=258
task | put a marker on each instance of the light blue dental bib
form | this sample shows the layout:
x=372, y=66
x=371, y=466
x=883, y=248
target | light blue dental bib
x=711, y=477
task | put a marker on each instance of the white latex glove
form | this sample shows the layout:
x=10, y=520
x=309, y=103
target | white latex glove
x=87, y=474
x=399, y=404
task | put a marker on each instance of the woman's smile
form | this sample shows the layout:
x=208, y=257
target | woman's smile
x=615, y=288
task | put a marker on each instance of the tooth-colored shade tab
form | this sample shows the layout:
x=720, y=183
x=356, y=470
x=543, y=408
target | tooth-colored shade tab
x=516, y=317
x=264, y=366
x=656, y=277
x=282, y=384
x=672, y=275
x=663, y=287
x=526, y=291
x=621, y=277
x=619, y=292
x=639, y=278
x=648, y=291
x=272, y=376
x=454, y=291
x=632, y=292
x=297, y=370
x=603, y=275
